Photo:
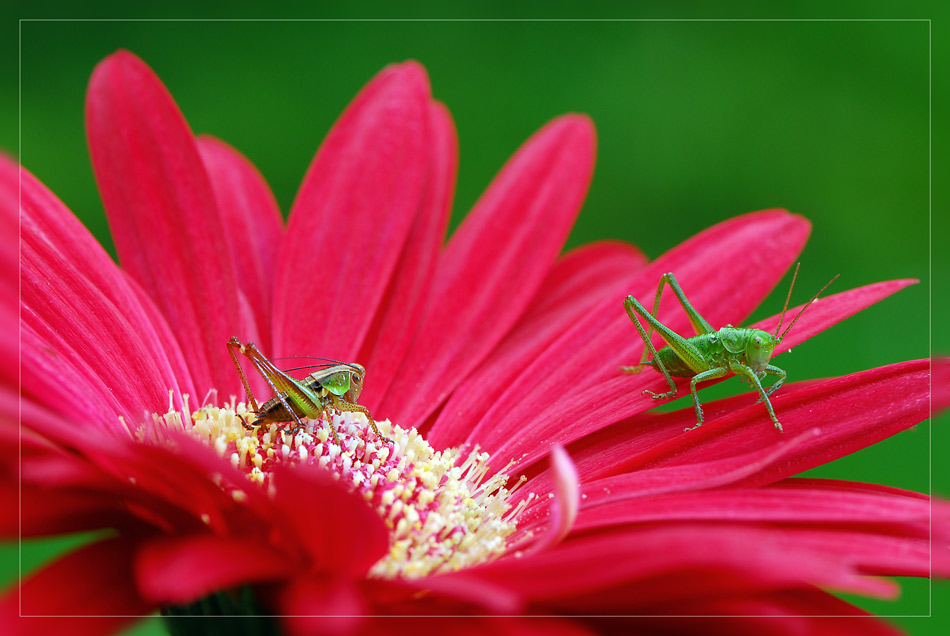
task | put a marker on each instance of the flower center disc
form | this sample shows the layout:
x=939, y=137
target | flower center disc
x=442, y=512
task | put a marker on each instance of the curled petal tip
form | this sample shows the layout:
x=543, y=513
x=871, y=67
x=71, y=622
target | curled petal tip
x=567, y=497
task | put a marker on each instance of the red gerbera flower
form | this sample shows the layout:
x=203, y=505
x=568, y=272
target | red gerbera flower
x=130, y=401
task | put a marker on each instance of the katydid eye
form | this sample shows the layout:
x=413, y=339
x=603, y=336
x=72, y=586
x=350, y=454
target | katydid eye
x=757, y=341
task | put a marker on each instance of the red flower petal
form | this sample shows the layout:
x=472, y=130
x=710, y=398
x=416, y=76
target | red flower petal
x=469, y=590
x=168, y=343
x=398, y=316
x=84, y=323
x=105, y=594
x=326, y=607
x=940, y=384
x=251, y=223
x=181, y=569
x=630, y=569
x=60, y=378
x=483, y=284
x=847, y=413
x=601, y=455
x=460, y=623
x=777, y=613
x=808, y=502
x=575, y=285
x=9, y=268
x=621, y=446
x=830, y=310
x=46, y=512
x=941, y=538
x=574, y=387
x=351, y=218
x=147, y=482
x=163, y=214
x=336, y=528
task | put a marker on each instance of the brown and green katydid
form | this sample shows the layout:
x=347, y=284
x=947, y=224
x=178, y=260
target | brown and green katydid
x=337, y=386
x=710, y=354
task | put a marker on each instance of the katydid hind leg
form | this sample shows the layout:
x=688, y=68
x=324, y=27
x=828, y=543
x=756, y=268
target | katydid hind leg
x=256, y=357
x=235, y=344
x=633, y=307
x=700, y=324
x=684, y=350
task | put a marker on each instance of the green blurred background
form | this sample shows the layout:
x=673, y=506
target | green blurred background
x=697, y=122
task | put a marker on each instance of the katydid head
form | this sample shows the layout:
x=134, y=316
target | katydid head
x=356, y=381
x=758, y=352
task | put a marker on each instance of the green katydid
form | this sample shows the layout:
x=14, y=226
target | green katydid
x=711, y=354
x=337, y=386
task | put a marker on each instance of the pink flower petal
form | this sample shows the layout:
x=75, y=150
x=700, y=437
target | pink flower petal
x=940, y=384
x=580, y=277
x=82, y=321
x=849, y=413
x=398, y=316
x=106, y=594
x=575, y=387
x=337, y=530
x=61, y=378
x=163, y=214
x=9, y=268
x=576, y=284
x=777, y=613
x=351, y=218
x=327, y=607
x=22, y=418
x=714, y=473
x=483, y=284
x=941, y=538
x=629, y=569
x=465, y=591
x=181, y=569
x=621, y=446
x=464, y=623
x=47, y=512
x=251, y=223
x=808, y=502
x=168, y=343
x=830, y=310
x=147, y=482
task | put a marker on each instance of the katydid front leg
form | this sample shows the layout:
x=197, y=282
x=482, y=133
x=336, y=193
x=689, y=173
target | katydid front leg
x=342, y=405
x=773, y=370
x=741, y=369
